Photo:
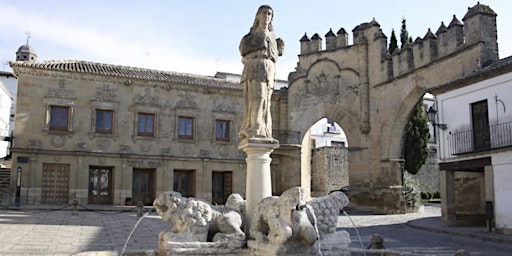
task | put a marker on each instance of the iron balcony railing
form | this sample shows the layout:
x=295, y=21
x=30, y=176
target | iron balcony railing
x=287, y=137
x=498, y=136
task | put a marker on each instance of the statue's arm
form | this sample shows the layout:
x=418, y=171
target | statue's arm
x=280, y=46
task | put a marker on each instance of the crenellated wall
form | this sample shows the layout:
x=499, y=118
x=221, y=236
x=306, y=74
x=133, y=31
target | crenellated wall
x=479, y=26
x=371, y=92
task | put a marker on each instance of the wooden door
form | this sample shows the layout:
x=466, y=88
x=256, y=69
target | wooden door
x=480, y=119
x=221, y=186
x=143, y=186
x=55, y=184
x=184, y=182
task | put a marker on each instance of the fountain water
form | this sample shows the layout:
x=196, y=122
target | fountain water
x=355, y=228
x=133, y=230
x=311, y=212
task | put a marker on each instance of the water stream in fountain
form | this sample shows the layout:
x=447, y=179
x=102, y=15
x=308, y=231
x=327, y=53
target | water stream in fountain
x=133, y=230
x=355, y=228
x=312, y=213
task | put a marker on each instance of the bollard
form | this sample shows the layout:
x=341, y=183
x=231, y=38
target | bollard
x=377, y=242
x=75, y=207
x=140, y=209
x=462, y=252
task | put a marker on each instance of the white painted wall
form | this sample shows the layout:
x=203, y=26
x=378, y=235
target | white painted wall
x=5, y=117
x=455, y=111
x=11, y=83
x=502, y=167
x=455, y=107
x=323, y=138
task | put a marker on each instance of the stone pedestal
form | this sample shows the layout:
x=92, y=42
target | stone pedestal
x=259, y=182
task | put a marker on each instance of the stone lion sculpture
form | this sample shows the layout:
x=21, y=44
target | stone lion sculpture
x=195, y=220
x=326, y=210
x=283, y=220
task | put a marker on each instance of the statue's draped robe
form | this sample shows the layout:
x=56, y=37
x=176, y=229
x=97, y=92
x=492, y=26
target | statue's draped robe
x=260, y=51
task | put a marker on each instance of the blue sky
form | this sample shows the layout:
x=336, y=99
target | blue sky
x=202, y=36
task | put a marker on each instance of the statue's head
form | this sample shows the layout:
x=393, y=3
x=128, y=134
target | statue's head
x=261, y=15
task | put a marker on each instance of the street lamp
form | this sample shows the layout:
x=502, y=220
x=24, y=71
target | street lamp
x=18, y=187
x=431, y=115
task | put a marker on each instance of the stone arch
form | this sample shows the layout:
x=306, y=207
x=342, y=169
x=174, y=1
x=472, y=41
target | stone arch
x=345, y=118
x=395, y=141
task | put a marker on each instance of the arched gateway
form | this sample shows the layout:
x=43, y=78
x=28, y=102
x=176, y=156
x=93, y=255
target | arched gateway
x=371, y=93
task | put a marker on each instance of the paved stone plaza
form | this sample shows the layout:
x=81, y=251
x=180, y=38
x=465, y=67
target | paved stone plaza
x=31, y=232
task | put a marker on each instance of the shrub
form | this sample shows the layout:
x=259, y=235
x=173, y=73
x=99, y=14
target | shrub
x=411, y=190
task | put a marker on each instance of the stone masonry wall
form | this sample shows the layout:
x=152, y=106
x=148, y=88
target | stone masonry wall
x=428, y=176
x=329, y=170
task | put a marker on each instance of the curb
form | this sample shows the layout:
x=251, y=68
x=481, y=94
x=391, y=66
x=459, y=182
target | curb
x=489, y=238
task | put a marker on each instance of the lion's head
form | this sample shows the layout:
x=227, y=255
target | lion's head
x=167, y=203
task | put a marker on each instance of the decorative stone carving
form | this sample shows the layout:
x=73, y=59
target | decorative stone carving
x=259, y=50
x=186, y=102
x=145, y=146
x=224, y=106
x=61, y=91
x=147, y=99
x=103, y=143
x=281, y=223
x=204, y=153
x=223, y=151
x=195, y=220
x=58, y=141
x=124, y=149
x=106, y=93
x=166, y=151
x=81, y=146
x=327, y=209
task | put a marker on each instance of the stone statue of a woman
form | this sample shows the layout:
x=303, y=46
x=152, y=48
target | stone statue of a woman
x=259, y=50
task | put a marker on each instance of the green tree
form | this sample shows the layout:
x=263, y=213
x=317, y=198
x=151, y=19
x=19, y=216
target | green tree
x=405, y=39
x=393, y=43
x=416, y=140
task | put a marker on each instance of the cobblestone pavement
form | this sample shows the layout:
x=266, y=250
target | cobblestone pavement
x=62, y=233
x=423, y=234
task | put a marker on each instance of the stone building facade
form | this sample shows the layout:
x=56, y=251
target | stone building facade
x=163, y=125
x=103, y=133
x=370, y=93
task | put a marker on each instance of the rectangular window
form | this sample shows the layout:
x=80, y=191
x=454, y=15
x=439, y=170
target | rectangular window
x=222, y=130
x=184, y=182
x=185, y=127
x=104, y=120
x=59, y=116
x=146, y=125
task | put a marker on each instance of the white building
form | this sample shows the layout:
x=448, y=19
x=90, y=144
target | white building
x=5, y=118
x=10, y=82
x=327, y=133
x=474, y=121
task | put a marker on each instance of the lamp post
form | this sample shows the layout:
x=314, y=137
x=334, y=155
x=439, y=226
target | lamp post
x=432, y=116
x=18, y=187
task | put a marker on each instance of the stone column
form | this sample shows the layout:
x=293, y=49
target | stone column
x=258, y=181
